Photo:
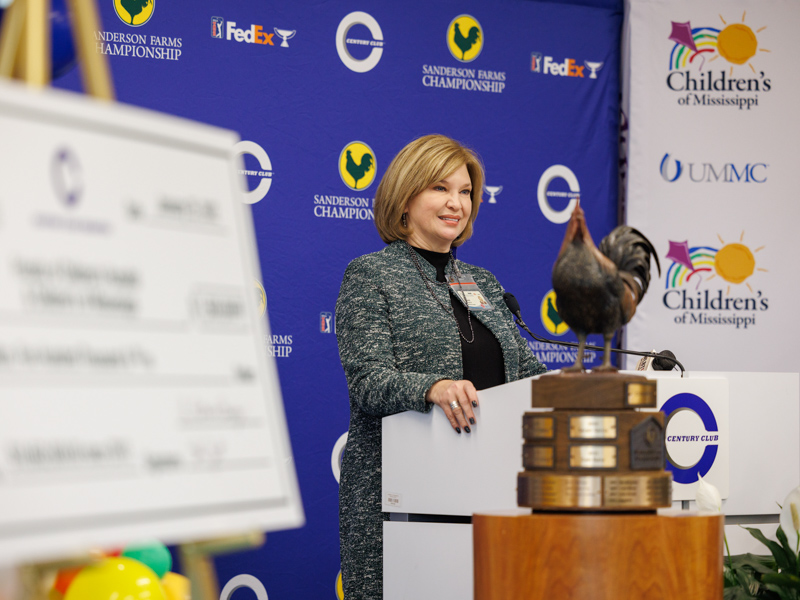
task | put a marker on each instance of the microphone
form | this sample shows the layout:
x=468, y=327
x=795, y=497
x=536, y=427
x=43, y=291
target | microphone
x=663, y=361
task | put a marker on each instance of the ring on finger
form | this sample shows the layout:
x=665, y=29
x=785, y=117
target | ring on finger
x=454, y=405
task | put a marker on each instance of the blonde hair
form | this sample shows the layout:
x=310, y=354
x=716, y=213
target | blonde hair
x=422, y=162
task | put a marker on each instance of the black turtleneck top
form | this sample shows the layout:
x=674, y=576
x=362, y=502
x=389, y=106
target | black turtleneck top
x=483, y=358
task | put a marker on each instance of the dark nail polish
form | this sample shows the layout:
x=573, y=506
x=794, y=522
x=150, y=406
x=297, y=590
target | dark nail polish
x=471, y=421
x=458, y=430
x=466, y=428
x=474, y=403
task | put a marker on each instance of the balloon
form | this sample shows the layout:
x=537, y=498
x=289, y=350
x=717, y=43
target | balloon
x=122, y=578
x=64, y=577
x=152, y=553
x=176, y=587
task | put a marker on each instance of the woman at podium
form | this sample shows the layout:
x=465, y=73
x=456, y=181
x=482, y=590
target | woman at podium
x=416, y=329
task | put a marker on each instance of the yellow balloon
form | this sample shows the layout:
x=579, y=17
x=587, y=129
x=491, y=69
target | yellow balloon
x=116, y=577
x=176, y=587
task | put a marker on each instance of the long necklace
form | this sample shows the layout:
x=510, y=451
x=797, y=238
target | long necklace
x=428, y=282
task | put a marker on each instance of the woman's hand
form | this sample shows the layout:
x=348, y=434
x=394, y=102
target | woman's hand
x=456, y=399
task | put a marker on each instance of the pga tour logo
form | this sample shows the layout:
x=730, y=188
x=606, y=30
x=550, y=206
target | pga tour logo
x=325, y=322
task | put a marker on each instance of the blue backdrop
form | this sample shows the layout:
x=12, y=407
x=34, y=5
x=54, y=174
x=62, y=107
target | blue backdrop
x=529, y=85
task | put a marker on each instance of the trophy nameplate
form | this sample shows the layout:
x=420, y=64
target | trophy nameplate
x=538, y=428
x=539, y=457
x=593, y=457
x=593, y=427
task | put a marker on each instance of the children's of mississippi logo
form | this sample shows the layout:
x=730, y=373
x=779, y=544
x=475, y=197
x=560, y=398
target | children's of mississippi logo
x=706, y=284
x=694, y=64
x=357, y=165
x=134, y=12
x=465, y=38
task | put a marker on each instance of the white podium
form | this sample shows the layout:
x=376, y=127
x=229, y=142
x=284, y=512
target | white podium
x=434, y=479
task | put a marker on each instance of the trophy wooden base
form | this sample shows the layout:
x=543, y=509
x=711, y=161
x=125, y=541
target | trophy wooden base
x=598, y=557
x=645, y=491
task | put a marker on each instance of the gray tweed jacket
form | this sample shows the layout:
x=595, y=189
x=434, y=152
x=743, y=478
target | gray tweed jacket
x=395, y=342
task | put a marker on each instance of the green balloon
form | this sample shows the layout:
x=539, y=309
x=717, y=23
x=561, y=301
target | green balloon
x=152, y=553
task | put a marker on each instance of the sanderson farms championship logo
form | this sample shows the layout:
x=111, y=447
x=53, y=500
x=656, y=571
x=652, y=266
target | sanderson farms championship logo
x=134, y=12
x=697, y=270
x=694, y=68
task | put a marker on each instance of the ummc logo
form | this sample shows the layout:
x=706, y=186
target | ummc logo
x=359, y=65
x=134, y=13
x=465, y=38
x=694, y=407
x=672, y=170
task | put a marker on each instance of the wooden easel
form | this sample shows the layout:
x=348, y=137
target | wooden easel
x=26, y=46
x=25, y=54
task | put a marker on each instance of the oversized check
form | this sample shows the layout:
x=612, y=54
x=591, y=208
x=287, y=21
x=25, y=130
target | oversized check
x=136, y=396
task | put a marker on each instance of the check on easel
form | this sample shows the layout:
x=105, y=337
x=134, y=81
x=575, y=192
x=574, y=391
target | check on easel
x=136, y=395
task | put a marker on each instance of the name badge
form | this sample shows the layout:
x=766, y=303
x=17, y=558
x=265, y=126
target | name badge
x=468, y=292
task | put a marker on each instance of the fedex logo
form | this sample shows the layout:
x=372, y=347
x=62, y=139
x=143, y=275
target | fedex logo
x=545, y=64
x=254, y=35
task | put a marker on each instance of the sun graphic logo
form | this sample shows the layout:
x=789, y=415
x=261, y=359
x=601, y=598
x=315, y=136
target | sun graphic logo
x=548, y=311
x=134, y=12
x=465, y=38
x=357, y=165
x=737, y=43
x=733, y=262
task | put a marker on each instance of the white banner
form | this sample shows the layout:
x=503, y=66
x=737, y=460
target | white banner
x=712, y=159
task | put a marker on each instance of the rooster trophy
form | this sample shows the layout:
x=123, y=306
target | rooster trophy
x=598, y=289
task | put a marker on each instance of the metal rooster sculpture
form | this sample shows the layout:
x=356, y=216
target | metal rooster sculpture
x=598, y=289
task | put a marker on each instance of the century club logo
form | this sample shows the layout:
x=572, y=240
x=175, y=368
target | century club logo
x=263, y=175
x=673, y=170
x=357, y=165
x=568, y=67
x=701, y=279
x=693, y=66
x=545, y=194
x=134, y=12
x=690, y=407
x=352, y=48
x=66, y=175
x=465, y=38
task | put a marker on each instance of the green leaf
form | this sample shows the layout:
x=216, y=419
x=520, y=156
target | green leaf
x=790, y=552
x=760, y=564
x=784, y=562
x=785, y=580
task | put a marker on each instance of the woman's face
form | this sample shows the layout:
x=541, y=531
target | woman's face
x=437, y=215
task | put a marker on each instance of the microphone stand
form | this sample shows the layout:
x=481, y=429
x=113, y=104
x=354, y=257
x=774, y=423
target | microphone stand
x=653, y=355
